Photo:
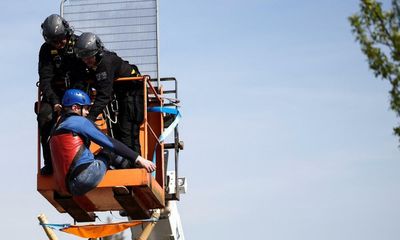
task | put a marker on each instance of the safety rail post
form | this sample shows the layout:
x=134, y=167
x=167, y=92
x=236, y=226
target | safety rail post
x=156, y=125
x=177, y=148
x=177, y=145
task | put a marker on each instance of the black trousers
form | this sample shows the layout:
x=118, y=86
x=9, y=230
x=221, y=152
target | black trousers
x=113, y=160
x=130, y=116
x=46, y=119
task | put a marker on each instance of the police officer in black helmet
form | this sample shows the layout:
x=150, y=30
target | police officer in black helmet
x=103, y=67
x=56, y=58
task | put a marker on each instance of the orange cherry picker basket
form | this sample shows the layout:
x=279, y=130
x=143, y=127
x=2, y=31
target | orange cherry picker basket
x=132, y=190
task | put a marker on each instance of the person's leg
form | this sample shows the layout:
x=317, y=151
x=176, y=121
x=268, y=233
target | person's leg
x=87, y=176
x=46, y=123
x=131, y=115
x=114, y=160
x=123, y=128
x=136, y=138
x=120, y=162
x=129, y=131
x=138, y=117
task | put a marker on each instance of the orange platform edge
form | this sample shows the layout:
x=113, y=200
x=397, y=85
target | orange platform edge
x=102, y=197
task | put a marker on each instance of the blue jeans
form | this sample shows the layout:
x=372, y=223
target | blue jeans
x=87, y=176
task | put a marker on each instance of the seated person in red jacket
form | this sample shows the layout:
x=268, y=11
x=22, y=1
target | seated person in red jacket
x=76, y=169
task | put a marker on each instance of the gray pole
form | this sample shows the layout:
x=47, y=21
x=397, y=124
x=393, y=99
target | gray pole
x=158, y=46
x=62, y=8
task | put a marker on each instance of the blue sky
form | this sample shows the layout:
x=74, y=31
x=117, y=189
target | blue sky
x=287, y=133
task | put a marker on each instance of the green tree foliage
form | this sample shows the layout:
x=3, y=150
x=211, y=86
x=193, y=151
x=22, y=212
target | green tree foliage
x=377, y=31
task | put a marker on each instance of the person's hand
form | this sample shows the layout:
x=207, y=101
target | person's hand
x=57, y=108
x=144, y=163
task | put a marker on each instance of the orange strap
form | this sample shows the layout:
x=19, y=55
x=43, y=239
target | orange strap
x=99, y=230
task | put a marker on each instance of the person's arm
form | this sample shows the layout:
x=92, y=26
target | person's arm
x=95, y=135
x=88, y=130
x=79, y=76
x=46, y=75
x=104, y=89
x=124, y=151
x=144, y=163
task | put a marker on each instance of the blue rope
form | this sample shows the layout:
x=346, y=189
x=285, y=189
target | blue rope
x=56, y=226
x=172, y=111
x=167, y=131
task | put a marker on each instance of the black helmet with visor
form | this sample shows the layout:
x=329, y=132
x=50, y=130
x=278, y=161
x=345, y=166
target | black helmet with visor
x=55, y=29
x=88, y=45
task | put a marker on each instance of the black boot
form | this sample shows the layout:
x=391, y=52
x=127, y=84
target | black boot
x=46, y=170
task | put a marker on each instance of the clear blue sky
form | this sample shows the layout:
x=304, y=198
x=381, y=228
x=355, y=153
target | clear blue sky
x=288, y=135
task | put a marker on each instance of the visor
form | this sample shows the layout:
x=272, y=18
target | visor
x=84, y=53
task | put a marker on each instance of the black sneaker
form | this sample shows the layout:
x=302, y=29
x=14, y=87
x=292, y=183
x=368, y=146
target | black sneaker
x=46, y=170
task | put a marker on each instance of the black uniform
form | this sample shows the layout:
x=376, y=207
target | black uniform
x=128, y=94
x=54, y=66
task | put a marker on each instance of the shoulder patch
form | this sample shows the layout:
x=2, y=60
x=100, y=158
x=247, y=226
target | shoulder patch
x=101, y=76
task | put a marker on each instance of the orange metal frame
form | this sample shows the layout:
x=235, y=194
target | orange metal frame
x=147, y=189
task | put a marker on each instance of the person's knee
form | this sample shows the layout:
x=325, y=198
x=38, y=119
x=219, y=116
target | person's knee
x=87, y=179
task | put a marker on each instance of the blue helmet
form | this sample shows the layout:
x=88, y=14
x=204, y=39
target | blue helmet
x=75, y=97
